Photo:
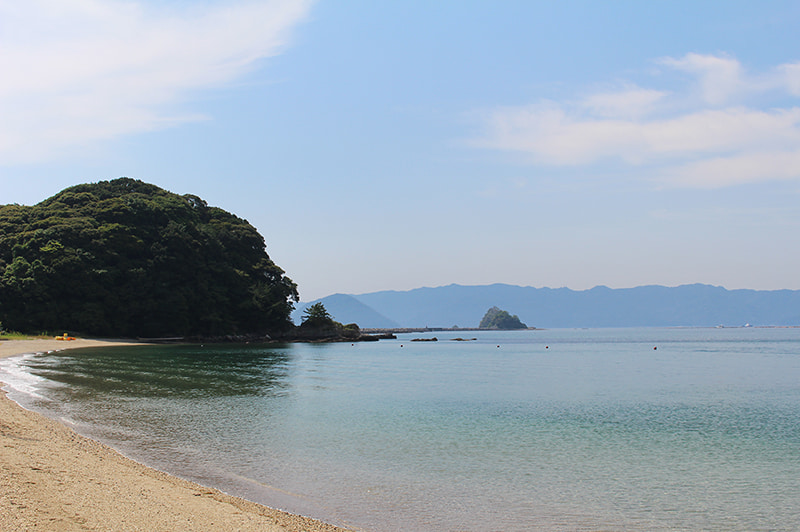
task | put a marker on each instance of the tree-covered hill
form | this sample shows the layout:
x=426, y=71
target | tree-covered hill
x=128, y=258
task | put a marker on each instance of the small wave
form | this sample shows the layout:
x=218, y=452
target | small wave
x=17, y=378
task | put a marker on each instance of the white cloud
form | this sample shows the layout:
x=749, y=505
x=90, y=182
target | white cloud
x=751, y=167
x=717, y=142
x=554, y=137
x=720, y=78
x=78, y=71
x=632, y=102
x=789, y=75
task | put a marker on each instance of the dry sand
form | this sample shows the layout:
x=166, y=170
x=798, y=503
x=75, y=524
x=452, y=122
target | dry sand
x=54, y=479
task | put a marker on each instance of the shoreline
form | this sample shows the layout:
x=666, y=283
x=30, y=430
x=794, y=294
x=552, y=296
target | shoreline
x=57, y=480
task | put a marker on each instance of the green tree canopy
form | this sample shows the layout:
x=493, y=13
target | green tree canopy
x=319, y=324
x=128, y=258
x=317, y=315
x=500, y=319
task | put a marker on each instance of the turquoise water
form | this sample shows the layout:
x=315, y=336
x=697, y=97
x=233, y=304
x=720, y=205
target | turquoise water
x=549, y=430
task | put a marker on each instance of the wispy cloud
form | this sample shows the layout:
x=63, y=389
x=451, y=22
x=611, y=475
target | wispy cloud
x=78, y=71
x=630, y=102
x=704, y=135
x=719, y=78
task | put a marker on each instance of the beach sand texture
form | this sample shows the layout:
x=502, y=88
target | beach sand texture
x=51, y=478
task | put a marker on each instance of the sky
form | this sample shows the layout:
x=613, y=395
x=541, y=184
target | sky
x=401, y=144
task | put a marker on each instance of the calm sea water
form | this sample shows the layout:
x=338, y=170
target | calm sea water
x=627, y=429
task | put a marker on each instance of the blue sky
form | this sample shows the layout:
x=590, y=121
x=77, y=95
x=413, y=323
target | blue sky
x=394, y=145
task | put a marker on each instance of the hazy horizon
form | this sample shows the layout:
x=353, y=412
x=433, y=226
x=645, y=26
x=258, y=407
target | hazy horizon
x=393, y=146
x=599, y=286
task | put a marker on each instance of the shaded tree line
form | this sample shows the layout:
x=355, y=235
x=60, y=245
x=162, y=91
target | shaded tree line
x=127, y=258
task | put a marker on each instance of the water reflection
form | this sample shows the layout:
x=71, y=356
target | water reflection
x=180, y=371
x=599, y=431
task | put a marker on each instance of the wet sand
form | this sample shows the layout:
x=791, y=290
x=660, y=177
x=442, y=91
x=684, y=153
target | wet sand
x=53, y=479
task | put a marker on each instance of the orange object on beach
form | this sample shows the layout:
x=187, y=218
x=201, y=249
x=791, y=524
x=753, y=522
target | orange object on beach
x=65, y=338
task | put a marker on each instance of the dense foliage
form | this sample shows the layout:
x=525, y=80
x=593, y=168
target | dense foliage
x=500, y=319
x=128, y=258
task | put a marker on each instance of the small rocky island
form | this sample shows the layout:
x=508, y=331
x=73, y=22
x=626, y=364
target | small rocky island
x=500, y=319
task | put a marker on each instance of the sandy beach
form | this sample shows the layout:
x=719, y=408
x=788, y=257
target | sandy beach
x=54, y=479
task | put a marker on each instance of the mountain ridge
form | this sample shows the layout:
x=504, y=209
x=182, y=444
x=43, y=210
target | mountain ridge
x=647, y=305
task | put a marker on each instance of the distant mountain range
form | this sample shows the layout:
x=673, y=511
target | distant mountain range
x=463, y=306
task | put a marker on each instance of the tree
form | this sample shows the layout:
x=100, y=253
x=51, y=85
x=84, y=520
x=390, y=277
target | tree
x=317, y=315
x=318, y=324
x=500, y=319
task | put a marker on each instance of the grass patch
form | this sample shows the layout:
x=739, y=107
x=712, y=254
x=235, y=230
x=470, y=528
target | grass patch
x=10, y=335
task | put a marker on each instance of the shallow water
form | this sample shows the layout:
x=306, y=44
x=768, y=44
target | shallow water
x=562, y=429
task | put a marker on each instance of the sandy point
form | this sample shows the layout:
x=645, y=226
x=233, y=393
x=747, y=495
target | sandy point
x=42, y=345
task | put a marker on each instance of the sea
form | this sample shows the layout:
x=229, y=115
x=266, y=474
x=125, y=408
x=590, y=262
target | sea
x=569, y=429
